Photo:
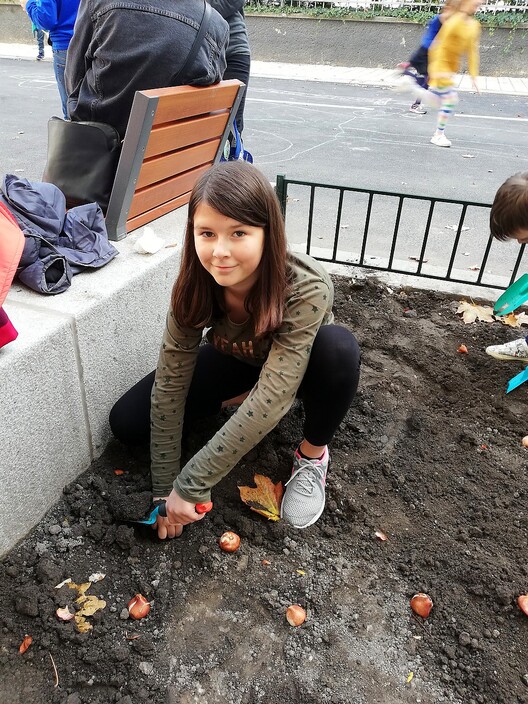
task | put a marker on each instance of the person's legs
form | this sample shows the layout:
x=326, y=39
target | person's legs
x=448, y=99
x=59, y=64
x=327, y=390
x=217, y=378
x=40, y=41
x=330, y=382
x=238, y=66
x=130, y=415
x=419, y=62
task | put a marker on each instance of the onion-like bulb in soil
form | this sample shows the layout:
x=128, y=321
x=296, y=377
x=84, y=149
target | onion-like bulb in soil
x=229, y=541
x=295, y=615
x=138, y=607
x=522, y=601
x=422, y=604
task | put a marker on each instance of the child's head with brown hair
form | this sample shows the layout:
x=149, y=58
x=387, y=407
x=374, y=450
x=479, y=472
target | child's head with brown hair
x=509, y=212
x=236, y=190
x=450, y=7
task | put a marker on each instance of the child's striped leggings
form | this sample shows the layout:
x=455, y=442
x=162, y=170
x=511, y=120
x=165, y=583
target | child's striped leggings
x=448, y=99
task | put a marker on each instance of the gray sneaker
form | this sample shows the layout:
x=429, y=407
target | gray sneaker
x=304, y=498
x=516, y=350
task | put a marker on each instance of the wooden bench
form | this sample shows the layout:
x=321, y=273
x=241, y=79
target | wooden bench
x=173, y=135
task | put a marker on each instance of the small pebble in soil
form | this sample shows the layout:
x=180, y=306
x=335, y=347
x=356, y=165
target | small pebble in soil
x=464, y=638
x=147, y=668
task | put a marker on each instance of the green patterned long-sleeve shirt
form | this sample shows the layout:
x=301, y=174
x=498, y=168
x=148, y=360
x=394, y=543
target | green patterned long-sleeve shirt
x=283, y=357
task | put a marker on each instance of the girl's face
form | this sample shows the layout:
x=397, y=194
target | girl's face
x=521, y=236
x=229, y=250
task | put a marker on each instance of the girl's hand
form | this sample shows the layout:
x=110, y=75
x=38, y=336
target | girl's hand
x=179, y=513
x=162, y=525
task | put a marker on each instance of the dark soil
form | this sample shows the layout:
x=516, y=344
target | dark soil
x=430, y=453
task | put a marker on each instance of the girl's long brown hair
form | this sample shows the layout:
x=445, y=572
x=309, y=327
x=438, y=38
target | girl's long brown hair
x=239, y=191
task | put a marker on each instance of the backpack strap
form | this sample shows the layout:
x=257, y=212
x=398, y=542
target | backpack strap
x=204, y=26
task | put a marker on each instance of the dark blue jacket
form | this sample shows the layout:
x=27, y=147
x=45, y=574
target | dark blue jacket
x=121, y=46
x=55, y=16
x=58, y=244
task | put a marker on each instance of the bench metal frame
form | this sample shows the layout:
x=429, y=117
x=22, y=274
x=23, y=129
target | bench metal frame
x=134, y=148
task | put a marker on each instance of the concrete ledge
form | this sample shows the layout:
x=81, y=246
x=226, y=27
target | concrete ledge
x=75, y=355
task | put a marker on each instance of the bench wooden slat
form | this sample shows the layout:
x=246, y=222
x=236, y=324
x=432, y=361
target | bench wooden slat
x=188, y=101
x=166, y=138
x=160, y=193
x=168, y=207
x=162, y=167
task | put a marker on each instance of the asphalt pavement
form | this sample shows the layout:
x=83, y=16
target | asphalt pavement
x=313, y=128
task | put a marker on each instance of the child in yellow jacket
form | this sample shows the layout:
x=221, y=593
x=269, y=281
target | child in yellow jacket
x=458, y=37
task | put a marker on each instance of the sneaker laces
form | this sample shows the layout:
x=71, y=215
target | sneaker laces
x=304, y=474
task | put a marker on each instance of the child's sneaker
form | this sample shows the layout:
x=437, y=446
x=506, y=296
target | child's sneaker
x=516, y=350
x=304, y=498
x=440, y=140
x=417, y=109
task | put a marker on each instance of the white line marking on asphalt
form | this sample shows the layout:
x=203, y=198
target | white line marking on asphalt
x=308, y=105
x=492, y=117
x=357, y=107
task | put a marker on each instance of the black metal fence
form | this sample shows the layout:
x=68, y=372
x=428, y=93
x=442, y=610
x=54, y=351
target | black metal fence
x=434, y=238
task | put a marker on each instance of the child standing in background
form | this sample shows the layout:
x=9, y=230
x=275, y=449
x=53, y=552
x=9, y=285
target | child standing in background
x=39, y=36
x=458, y=37
x=418, y=60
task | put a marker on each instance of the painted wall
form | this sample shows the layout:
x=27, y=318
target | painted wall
x=373, y=44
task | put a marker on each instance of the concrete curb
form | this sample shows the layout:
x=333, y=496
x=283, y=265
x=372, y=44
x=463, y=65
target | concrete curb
x=75, y=355
x=354, y=75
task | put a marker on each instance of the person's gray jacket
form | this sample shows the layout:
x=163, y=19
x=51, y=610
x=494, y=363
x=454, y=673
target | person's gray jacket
x=233, y=12
x=121, y=46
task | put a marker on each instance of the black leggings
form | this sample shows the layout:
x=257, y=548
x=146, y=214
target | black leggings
x=327, y=389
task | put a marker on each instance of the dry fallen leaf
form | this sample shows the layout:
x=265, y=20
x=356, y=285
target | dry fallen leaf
x=25, y=644
x=266, y=562
x=472, y=311
x=265, y=498
x=119, y=471
x=462, y=349
x=380, y=535
x=513, y=320
x=409, y=677
x=90, y=604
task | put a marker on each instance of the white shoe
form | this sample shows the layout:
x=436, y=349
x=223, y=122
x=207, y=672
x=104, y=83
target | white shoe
x=440, y=140
x=417, y=109
x=516, y=350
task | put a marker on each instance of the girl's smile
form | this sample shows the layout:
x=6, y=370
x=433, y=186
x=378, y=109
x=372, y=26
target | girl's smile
x=229, y=250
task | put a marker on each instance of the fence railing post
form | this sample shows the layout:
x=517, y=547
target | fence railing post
x=280, y=190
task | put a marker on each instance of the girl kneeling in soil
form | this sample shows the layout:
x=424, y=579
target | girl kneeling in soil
x=269, y=337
